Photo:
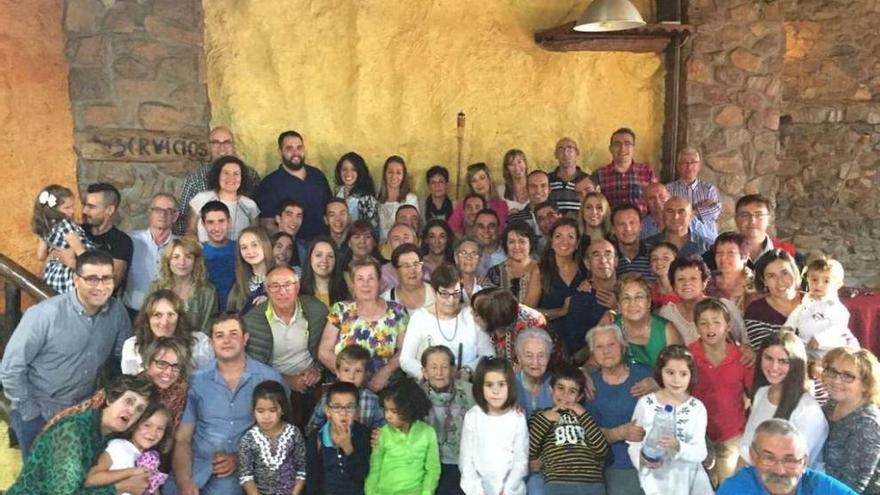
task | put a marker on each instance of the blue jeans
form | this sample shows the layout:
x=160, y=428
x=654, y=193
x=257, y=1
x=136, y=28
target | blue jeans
x=622, y=482
x=564, y=488
x=535, y=483
x=25, y=431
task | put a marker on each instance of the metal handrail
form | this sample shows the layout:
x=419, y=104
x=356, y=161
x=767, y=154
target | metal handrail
x=19, y=276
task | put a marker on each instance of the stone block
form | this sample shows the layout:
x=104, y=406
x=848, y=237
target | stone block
x=142, y=89
x=83, y=16
x=182, y=12
x=729, y=116
x=771, y=44
x=732, y=35
x=731, y=184
x=121, y=20
x=89, y=51
x=88, y=84
x=131, y=68
x=771, y=119
x=184, y=69
x=716, y=94
x=746, y=12
x=765, y=164
x=699, y=71
x=190, y=93
x=145, y=49
x=730, y=76
x=728, y=162
x=98, y=116
x=745, y=60
x=159, y=116
x=161, y=29
x=751, y=101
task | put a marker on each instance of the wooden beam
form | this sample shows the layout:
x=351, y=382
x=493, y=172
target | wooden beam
x=650, y=38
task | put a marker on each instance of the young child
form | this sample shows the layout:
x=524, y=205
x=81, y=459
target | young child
x=723, y=384
x=351, y=367
x=437, y=204
x=338, y=454
x=356, y=187
x=566, y=439
x=682, y=471
x=821, y=320
x=272, y=455
x=219, y=251
x=494, y=437
x=450, y=399
x=406, y=458
x=124, y=458
x=54, y=224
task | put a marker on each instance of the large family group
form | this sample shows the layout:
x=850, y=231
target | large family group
x=558, y=333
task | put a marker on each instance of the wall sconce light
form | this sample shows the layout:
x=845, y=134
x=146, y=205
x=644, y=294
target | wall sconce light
x=609, y=15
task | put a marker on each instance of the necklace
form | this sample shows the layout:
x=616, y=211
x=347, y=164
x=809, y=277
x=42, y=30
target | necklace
x=440, y=328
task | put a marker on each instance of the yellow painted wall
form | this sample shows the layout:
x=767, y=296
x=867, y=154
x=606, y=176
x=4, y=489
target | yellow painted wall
x=384, y=77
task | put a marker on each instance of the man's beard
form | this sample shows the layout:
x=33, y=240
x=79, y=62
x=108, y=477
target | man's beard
x=779, y=479
x=291, y=165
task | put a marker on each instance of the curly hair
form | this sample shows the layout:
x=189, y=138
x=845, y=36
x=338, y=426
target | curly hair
x=409, y=399
x=190, y=246
x=213, y=178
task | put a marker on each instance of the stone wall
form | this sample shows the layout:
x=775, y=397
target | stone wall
x=830, y=133
x=137, y=87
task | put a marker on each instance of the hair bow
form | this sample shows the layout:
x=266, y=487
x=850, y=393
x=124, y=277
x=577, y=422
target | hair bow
x=48, y=199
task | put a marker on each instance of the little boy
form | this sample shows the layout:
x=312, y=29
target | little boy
x=351, y=367
x=821, y=320
x=338, y=453
x=569, y=444
x=438, y=204
x=219, y=251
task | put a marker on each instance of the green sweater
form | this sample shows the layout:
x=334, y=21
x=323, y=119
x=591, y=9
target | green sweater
x=404, y=463
x=260, y=343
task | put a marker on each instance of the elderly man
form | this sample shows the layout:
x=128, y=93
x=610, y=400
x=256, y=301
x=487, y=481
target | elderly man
x=612, y=404
x=54, y=355
x=294, y=179
x=632, y=251
x=593, y=300
x=538, y=187
x=676, y=229
x=780, y=452
x=285, y=332
x=656, y=197
x=218, y=412
x=99, y=207
x=623, y=180
x=221, y=142
x=533, y=349
x=486, y=232
x=703, y=196
x=564, y=179
x=148, y=247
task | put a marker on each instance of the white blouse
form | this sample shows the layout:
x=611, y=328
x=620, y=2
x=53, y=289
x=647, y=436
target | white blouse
x=388, y=210
x=242, y=213
x=201, y=351
x=425, y=330
x=494, y=452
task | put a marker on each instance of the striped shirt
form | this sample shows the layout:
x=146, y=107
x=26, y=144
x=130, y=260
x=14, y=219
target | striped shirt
x=562, y=192
x=525, y=215
x=572, y=448
x=697, y=192
x=762, y=321
x=641, y=264
x=626, y=187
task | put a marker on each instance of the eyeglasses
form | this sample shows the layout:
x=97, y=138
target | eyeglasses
x=408, y=266
x=633, y=300
x=752, y=216
x=469, y=254
x=286, y=286
x=338, y=408
x=163, y=211
x=788, y=462
x=165, y=366
x=215, y=142
x=94, y=280
x=833, y=374
x=448, y=295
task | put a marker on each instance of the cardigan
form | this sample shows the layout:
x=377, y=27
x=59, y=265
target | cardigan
x=260, y=343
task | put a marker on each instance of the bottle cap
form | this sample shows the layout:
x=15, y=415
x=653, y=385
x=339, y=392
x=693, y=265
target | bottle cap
x=668, y=408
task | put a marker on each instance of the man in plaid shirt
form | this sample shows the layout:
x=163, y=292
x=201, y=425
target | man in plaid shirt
x=623, y=180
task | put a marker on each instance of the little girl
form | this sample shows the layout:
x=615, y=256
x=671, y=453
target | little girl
x=495, y=438
x=272, y=454
x=124, y=458
x=821, y=320
x=356, y=188
x=450, y=399
x=255, y=259
x=53, y=223
x=406, y=459
x=682, y=471
x=724, y=382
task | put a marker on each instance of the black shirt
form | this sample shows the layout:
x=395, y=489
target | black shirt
x=114, y=241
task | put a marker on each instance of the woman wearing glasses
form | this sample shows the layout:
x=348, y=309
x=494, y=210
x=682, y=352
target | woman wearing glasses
x=447, y=322
x=852, y=450
x=467, y=259
x=411, y=290
x=162, y=315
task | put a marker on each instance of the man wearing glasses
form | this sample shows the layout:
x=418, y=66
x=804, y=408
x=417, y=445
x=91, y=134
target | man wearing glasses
x=285, y=332
x=53, y=357
x=148, y=245
x=780, y=454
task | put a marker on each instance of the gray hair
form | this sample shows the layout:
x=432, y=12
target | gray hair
x=780, y=427
x=164, y=195
x=534, y=333
x=468, y=238
x=689, y=150
x=613, y=328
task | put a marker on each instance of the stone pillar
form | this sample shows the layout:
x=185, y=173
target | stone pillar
x=139, y=98
x=734, y=95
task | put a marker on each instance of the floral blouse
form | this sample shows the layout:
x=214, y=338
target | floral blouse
x=379, y=337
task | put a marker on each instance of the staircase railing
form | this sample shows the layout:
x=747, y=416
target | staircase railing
x=16, y=279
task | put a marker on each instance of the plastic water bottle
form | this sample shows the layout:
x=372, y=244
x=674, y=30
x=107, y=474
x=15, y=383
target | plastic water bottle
x=664, y=426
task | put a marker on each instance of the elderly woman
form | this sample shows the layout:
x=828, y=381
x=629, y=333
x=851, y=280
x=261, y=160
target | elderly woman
x=410, y=291
x=732, y=279
x=613, y=403
x=168, y=367
x=182, y=270
x=162, y=315
x=689, y=277
x=62, y=455
x=512, y=274
x=227, y=183
x=447, y=322
x=852, y=449
x=778, y=279
x=467, y=259
x=369, y=321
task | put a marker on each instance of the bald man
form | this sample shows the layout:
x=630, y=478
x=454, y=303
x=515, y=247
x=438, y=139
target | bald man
x=221, y=142
x=655, y=196
x=564, y=179
x=677, y=216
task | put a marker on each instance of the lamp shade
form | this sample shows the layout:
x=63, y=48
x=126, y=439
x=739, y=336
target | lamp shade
x=609, y=15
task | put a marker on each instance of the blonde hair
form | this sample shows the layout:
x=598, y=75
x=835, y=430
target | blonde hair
x=238, y=295
x=475, y=168
x=867, y=365
x=606, y=216
x=826, y=265
x=199, y=275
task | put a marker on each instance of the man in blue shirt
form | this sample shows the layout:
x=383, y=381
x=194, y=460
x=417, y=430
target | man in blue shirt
x=294, y=180
x=780, y=455
x=218, y=412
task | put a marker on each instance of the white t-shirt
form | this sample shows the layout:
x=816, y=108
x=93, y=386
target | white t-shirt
x=425, y=330
x=122, y=454
x=132, y=364
x=242, y=213
x=388, y=210
x=494, y=452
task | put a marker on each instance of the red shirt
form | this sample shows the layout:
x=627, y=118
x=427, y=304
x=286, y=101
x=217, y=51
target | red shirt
x=721, y=389
x=620, y=188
